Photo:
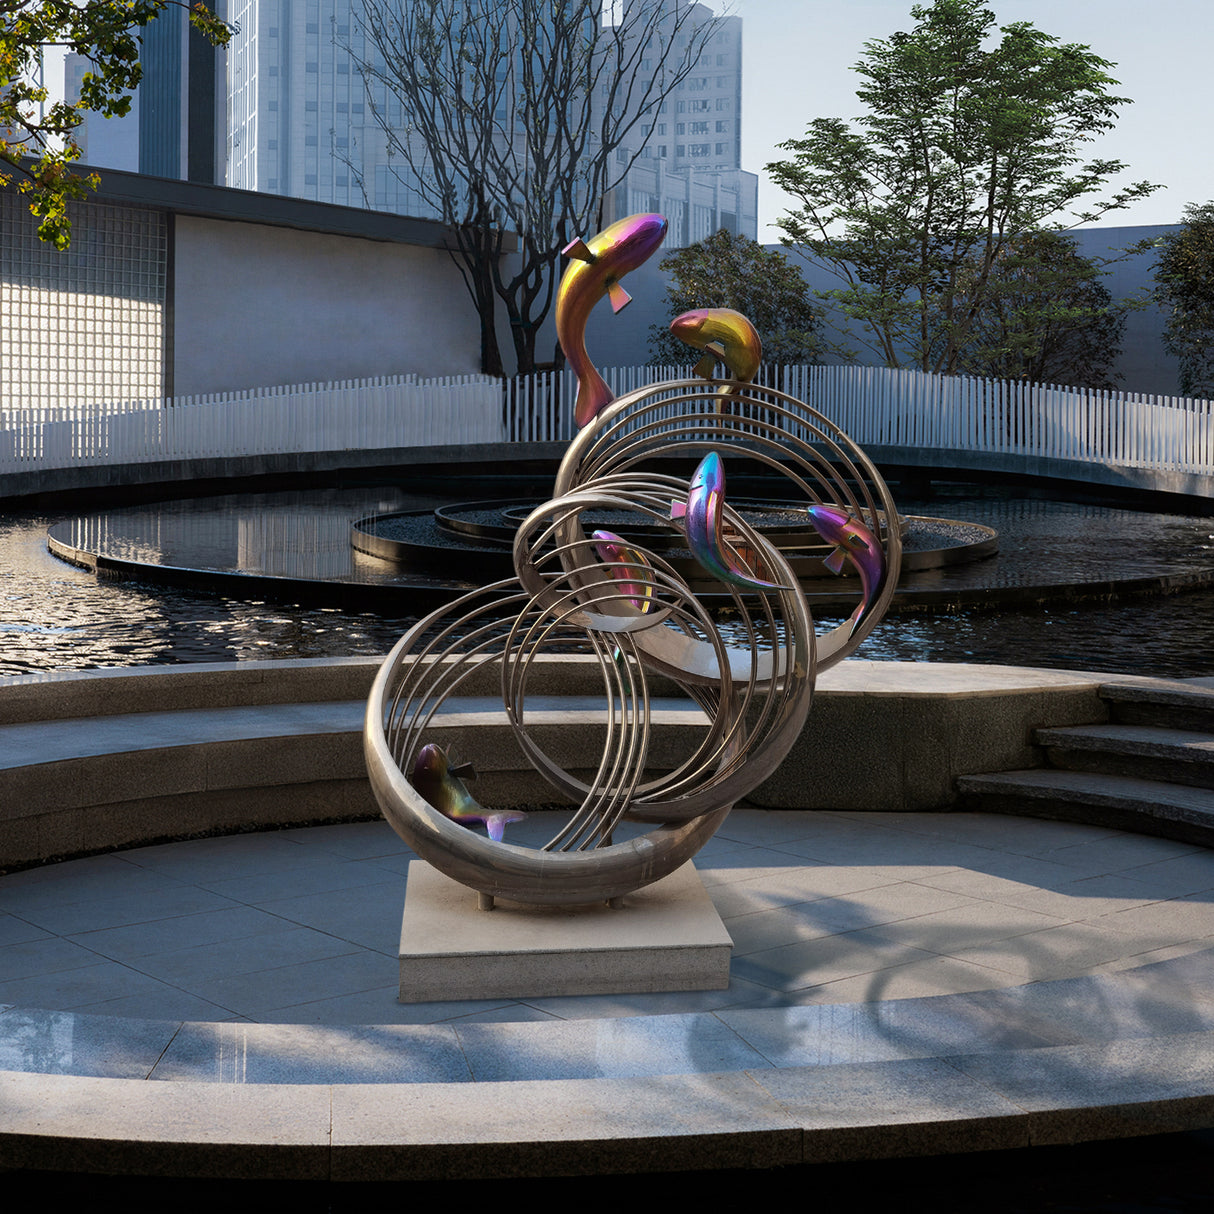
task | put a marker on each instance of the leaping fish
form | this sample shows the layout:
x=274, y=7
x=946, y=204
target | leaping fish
x=627, y=566
x=856, y=543
x=436, y=780
x=595, y=269
x=702, y=518
x=725, y=336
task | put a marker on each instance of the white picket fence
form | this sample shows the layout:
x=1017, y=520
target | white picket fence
x=350, y=415
x=876, y=406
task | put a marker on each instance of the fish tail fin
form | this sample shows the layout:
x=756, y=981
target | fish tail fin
x=593, y=397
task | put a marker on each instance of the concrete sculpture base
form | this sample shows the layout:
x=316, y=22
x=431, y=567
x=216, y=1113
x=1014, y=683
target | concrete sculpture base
x=666, y=937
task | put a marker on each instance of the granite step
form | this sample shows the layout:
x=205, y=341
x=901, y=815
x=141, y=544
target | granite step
x=1173, y=811
x=1168, y=705
x=1145, y=752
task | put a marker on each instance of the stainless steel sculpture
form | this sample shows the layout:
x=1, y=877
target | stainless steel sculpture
x=582, y=590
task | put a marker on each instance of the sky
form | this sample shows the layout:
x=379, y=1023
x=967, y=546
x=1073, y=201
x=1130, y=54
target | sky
x=798, y=55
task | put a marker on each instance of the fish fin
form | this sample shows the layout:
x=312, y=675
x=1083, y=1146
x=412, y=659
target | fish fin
x=576, y=248
x=462, y=771
x=715, y=347
x=834, y=562
x=496, y=824
x=706, y=366
x=620, y=298
x=678, y=510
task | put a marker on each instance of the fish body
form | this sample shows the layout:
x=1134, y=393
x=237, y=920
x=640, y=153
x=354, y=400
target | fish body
x=702, y=516
x=440, y=784
x=725, y=336
x=856, y=543
x=595, y=269
x=627, y=566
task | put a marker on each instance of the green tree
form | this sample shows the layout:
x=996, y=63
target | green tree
x=1052, y=320
x=1184, y=279
x=37, y=142
x=968, y=143
x=727, y=271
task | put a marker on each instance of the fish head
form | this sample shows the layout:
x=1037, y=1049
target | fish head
x=431, y=763
x=831, y=523
x=709, y=478
x=628, y=243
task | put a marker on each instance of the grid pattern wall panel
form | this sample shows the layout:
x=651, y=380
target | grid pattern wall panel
x=85, y=327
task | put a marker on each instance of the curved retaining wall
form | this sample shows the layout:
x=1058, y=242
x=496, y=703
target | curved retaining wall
x=886, y=735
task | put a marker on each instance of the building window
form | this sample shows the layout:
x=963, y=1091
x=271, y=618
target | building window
x=722, y=125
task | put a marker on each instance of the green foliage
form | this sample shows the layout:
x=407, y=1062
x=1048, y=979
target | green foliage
x=967, y=144
x=41, y=146
x=728, y=271
x=1052, y=321
x=1185, y=286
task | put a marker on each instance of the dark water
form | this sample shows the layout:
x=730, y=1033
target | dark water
x=56, y=617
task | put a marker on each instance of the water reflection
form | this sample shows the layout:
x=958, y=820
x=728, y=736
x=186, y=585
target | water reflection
x=56, y=617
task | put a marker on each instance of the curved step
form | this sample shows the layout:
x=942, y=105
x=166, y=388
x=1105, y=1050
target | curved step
x=1173, y=756
x=1149, y=806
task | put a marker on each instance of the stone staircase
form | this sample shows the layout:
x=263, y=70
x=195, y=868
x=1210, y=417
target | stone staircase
x=1150, y=768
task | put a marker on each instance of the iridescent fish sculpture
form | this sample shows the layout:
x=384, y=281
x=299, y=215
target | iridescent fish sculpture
x=856, y=543
x=628, y=567
x=702, y=520
x=595, y=269
x=439, y=783
x=725, y=336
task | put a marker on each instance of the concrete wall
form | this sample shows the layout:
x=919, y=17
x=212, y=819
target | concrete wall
x=618, y=340
x=257, y=305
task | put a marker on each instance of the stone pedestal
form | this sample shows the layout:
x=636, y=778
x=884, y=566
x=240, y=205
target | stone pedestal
x=666, y=937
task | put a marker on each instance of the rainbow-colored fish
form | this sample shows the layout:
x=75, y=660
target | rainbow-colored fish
x=595, y=269
x=628, y=567
x=702, y=515
x=725, y=336
x=440, y=784
x=856, y=543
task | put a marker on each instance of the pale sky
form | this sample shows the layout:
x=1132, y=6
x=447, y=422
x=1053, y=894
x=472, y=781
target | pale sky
x=797, y=56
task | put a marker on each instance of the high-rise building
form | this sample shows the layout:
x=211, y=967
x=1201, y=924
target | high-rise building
x=174, y=127
x=299, y=122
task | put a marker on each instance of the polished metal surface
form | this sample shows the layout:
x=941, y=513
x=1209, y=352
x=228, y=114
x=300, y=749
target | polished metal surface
x=640, y=619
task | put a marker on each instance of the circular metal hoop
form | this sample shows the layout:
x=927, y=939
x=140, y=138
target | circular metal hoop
x=628, y=609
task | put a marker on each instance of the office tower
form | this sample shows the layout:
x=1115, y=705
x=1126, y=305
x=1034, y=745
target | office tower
x=174, y=127
x=299, y=122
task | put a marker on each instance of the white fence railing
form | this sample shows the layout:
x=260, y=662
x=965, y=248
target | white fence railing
x=875, y=405
x=351, y=415
x=878, y=406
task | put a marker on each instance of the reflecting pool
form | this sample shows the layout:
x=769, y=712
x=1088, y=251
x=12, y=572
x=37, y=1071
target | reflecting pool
x=54, y=616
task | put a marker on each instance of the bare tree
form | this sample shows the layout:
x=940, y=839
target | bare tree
x=514, y=118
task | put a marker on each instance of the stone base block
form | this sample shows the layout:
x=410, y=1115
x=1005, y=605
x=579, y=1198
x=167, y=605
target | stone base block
x=666, y=937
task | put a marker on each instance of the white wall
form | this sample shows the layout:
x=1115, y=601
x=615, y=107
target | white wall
x=257, y=306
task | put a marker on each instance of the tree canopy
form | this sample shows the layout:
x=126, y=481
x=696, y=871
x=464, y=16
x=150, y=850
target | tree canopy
x=37, y=141
x=1052, y=320
x=512, y=119
x=970, y=144
x=1184, y=279
x=727, y=271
